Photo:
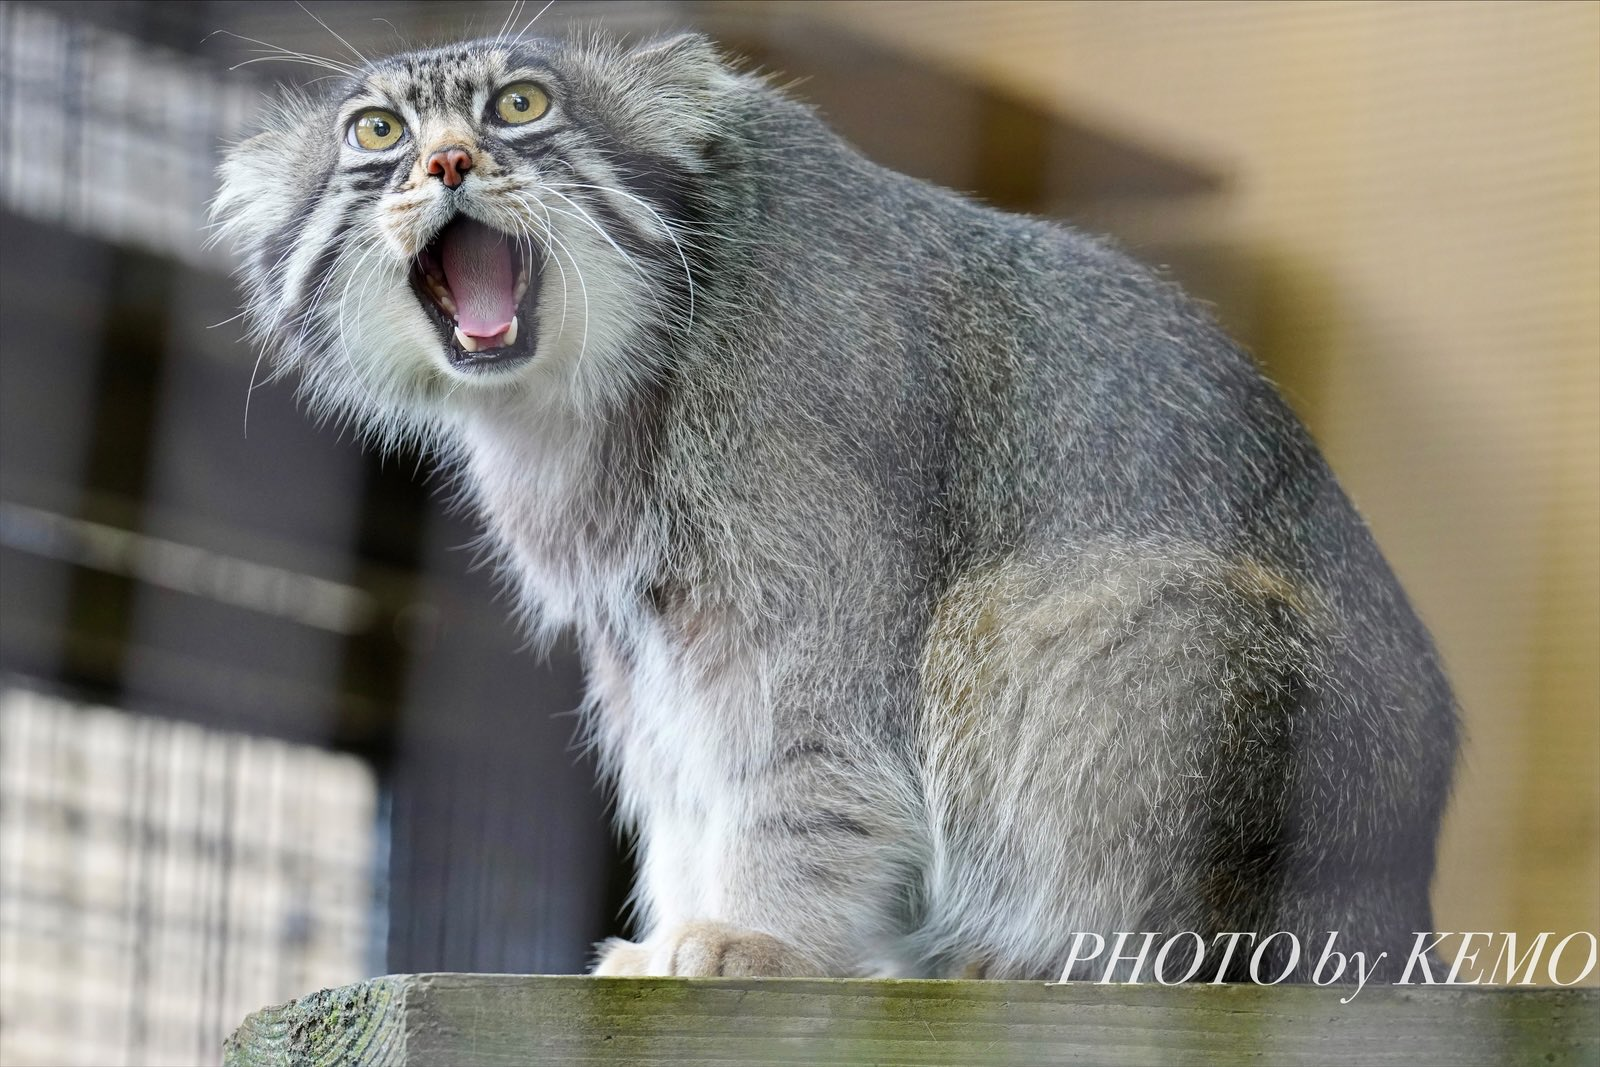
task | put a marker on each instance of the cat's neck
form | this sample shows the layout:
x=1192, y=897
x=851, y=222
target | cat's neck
x=567, y=494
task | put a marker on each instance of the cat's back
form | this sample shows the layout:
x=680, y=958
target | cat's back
x=1055, y=394
x=1057, y=354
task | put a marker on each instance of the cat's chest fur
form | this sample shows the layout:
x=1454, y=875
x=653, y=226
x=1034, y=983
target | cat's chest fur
x=676, y=707
x=566, y=505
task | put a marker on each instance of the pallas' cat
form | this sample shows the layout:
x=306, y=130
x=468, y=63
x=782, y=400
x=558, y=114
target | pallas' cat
x=948, y=584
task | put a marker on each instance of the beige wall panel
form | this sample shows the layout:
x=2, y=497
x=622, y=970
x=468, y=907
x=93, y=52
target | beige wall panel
x=1421, y=181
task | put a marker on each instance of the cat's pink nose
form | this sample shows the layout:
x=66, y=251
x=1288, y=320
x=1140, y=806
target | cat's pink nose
x=450, y=165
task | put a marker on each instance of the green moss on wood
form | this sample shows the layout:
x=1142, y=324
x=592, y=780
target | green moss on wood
x=508, y=1019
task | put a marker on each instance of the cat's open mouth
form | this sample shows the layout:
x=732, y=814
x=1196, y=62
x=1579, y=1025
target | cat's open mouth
x=471, y=279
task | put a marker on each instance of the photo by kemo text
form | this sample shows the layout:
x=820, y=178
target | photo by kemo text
x=1481, y=958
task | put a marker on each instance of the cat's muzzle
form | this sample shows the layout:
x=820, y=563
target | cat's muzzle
x=473, y=281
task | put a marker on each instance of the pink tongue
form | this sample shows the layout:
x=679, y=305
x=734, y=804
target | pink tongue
x=477, y=265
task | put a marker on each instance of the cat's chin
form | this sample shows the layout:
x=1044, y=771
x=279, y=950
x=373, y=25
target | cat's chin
x=493, y=362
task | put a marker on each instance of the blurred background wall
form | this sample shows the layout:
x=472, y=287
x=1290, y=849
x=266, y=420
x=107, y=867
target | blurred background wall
x=263, y=727
x=1416, y=191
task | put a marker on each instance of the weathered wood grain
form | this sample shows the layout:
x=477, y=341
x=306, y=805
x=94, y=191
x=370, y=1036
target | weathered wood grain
x=487, y=1019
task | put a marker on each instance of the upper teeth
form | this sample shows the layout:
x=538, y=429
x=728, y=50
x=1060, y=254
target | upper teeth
x=441, y=293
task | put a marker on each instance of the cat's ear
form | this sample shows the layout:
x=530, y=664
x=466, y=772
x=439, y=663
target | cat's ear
x=686, y=60
x=665, y=96
x=683, y=50
x=256, y=190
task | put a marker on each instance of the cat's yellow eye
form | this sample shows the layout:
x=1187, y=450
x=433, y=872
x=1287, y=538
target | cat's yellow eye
x=376, y=129
x=521, y=102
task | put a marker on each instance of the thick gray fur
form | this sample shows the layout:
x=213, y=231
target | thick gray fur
x=949, y=584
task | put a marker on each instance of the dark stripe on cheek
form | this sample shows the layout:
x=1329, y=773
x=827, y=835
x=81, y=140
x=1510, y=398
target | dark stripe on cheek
x=371, y=167
x=558, y=170
x=531, y=149
x=311, y=289
x=367, y=183
x=274, y=250
x=655, y=179
x=814, y=824
x=804, y=750
x=663, y=185
x=401, y=176
x=623, y=231
x=620, y=229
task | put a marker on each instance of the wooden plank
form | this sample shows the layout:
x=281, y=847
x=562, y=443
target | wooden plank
x=489, y=1019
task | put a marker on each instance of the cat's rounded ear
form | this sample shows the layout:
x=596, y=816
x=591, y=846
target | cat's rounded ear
x=253, y=196
x=264, y=179
x=665, y=96
x=682, y=61
x=683, y=54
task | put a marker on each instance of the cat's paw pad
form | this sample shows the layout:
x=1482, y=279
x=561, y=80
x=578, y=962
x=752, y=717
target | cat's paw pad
x=705, y=949
x=622, y=958
x=701, y=949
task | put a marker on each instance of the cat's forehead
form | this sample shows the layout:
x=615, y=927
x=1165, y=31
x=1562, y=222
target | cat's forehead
x=448, y=77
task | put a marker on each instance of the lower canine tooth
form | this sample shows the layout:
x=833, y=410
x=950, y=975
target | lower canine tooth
x=511, y=331
x=469, y=343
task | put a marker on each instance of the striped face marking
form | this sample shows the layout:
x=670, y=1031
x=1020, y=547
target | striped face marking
x=459, y=216
x=451, y=134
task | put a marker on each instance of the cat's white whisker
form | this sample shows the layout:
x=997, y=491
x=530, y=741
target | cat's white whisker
x=566, y=297
x=249, y=391
x=584, y=216
x=352, y=49
x=529, y=26
x=510, y=20
x=280, y=52
x=583, y=290
x=289, y=59
x=398, y=36
x=545, y=242
x=688, y=275
x=372, y=248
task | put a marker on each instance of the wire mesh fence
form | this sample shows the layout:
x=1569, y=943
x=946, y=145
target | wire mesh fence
x=159, y=879
x=110, y=136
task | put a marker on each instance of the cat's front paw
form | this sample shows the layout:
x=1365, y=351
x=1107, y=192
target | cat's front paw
x=705, y=949
x=619, y=958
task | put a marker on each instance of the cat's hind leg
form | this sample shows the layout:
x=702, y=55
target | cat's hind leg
x=1132, y=741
